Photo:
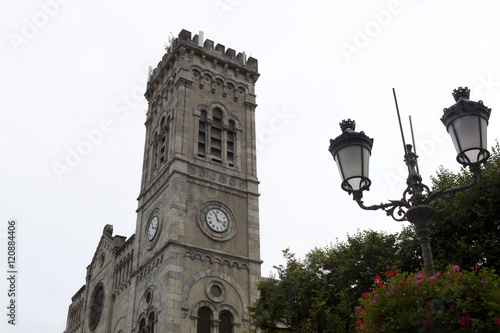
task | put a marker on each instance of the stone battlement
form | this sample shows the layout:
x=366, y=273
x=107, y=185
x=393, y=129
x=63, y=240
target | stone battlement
x=185, y=45
x=219, y=49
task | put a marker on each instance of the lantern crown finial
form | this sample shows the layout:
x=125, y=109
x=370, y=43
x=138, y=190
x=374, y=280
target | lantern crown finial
x=461, y=93
x=347, y=125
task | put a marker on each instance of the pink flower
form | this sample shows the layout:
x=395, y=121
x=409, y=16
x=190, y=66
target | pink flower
x=467, y=298
x=464, y=320
x=497, y=320
x=430, y=323
x=419, y=275
x=484, y=281
x=452, y=308
x=391, y=273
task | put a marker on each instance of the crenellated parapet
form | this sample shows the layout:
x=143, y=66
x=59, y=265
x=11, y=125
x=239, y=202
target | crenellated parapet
x=124, y=259
x=75, y=311
x=123, y=272
x=204, y=53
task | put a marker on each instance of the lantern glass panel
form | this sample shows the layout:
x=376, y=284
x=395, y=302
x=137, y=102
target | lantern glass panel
x=352, y=162
x=469, y=135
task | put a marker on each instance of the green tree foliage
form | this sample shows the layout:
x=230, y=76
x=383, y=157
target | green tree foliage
x=468, y=232
x=319, y=293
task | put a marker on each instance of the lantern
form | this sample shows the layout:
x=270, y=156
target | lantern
x=467, y=121
x=351, y=150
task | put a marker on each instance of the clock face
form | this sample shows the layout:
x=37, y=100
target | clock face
x=152, y=228
x=217, y=220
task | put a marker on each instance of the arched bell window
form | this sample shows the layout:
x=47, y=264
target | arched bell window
x=231, y=139
x=160, y=144
x=202, y=134
x=164, y=140
x=217, y=137
x=154, y=149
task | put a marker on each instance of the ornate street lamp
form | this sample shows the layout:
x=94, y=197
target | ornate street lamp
x=351, y=150
x=466, y=121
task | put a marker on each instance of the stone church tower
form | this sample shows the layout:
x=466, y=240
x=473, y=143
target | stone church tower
x=194, y=261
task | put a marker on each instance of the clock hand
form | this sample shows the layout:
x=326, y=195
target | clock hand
x=216, y=217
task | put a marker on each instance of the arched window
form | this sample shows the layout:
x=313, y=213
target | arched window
x=160, y=144
x=154, y=147
x=147, y=325
x=204, y=320
x=164, y=141
x=142, y=325
x=202, y=134
x=231, y=138
x=151, y=322
x=216, y=136
x=226, y=322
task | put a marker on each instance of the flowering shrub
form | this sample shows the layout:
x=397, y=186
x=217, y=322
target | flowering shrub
x=452, y=301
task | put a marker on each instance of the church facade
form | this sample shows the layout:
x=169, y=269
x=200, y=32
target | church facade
x=194, y=261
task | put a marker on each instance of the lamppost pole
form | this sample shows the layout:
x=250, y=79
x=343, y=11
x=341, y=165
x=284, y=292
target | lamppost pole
x=420, y=216
x=466, y=121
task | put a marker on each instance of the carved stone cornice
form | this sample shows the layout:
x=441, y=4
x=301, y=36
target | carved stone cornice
x=216, y=188
x=214, y=258
x=210, y=178
x=154, y=185
x=181, y=81
x=250, y=105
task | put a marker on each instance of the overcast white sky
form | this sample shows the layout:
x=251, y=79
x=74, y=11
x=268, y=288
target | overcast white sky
x=67, y=65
